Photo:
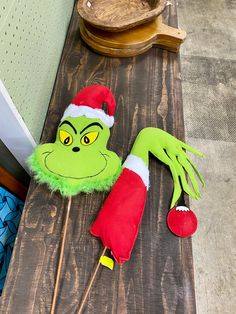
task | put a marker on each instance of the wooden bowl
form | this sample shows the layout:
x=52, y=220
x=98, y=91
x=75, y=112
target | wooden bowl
x=119, y=15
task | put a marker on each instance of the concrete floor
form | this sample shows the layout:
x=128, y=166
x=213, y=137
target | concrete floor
x=208, y=60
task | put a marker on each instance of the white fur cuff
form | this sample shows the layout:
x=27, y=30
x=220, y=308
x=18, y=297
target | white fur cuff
x=137, y=165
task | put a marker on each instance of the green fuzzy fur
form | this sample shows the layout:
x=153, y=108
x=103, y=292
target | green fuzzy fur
x=57, y=184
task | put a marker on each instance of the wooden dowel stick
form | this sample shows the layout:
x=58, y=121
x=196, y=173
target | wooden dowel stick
x=90, y=283
x=54, y=299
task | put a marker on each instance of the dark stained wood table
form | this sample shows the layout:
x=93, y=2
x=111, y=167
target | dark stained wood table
x=159, y=276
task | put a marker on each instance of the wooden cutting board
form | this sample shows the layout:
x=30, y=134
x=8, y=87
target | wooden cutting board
x=134, y=41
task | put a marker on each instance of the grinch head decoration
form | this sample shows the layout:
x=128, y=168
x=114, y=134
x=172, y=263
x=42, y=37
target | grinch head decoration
x=78, y=160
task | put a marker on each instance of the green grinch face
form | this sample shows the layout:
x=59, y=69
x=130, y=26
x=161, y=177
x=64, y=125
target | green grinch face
x=78, y=160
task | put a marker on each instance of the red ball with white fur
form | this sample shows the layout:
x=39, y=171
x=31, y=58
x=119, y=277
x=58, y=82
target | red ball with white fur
x=182, y=221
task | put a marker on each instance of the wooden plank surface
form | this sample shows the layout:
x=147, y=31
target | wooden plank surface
x=159, y=276
x=12, y=184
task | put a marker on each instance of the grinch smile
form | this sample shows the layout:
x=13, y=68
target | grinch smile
x=70, y=177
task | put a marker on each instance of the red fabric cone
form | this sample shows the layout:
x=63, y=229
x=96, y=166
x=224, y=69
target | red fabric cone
x=118, y=221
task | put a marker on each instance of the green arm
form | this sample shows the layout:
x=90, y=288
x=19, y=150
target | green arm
x=171, y=152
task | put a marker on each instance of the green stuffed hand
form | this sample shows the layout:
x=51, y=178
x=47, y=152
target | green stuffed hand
x=171, y=152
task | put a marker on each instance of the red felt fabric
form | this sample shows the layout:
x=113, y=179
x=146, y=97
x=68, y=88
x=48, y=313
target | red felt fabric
x=182, y=223
x=118, y=220
x=94, y=96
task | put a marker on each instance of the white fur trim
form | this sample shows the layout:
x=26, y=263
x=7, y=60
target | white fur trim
x=137, y=165
x=77, y=111
x=183, y=208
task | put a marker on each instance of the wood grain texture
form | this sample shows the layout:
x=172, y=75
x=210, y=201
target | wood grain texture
x=159, y=276
x=116, y=16
x=12, y=184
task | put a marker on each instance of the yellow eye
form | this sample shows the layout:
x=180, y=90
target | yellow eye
x=89, y=138
x=65, y=138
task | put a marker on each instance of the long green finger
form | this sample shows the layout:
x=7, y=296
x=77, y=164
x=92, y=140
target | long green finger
x=181, y=173
x=187, y=166
x=197, y=172
x=191, y=149
x=177, y=187
x=194, y=167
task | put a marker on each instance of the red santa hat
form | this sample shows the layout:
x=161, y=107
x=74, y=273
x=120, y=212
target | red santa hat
x=89, y=102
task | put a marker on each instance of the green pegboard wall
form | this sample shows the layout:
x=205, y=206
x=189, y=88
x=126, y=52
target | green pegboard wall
x=32, y=35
